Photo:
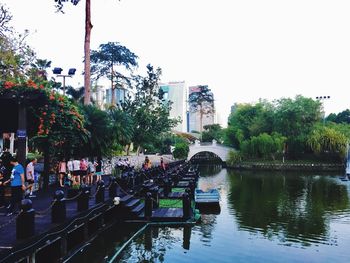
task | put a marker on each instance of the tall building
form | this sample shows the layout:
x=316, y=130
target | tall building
x=176, y=92
x=198, y=119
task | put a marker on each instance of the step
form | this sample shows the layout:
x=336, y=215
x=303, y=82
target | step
x=138, y=209
x=125, y=199
x=132, y=203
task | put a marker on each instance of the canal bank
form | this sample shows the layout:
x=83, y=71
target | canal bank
x=316, y=167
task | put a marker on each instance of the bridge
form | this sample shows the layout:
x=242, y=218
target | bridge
x=219, y=150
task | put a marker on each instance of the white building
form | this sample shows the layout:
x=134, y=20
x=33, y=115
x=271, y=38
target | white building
x=176, y=92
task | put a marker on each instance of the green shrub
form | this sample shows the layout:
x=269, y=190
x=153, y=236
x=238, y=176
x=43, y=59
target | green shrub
x=181, y=150
x=234, y=158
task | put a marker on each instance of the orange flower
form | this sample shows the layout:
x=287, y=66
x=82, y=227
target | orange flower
x=8, y=84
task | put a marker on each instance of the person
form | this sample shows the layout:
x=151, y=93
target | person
x=2, y=186
x=98, y=169
x=83, y=170
x=162, y=164
x=17, y=186
x=30, y=176
x=147, y=163
x=76, y=171
x=91, y=172
x=62, y=171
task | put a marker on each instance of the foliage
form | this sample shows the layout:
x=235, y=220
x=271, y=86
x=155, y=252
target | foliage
x=15, y=55
x=249, y=120
x=105, y=60
x=212, y=132
x=98, y=124
x=181, y=150
x=148, y=110
x=234, y=158
x=328, y=141
x=341, y=117
x=122, y=127
x=264, y=146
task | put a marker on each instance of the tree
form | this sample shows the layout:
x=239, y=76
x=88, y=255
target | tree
x=148, y=110
x=202, y=101
x=295, y=120
x=329, y=142
x=181, y=150
x=212, y=132
x=341, y=117
x=122, y=128
x=15, y=55
x=105, y=60
x=88, y=27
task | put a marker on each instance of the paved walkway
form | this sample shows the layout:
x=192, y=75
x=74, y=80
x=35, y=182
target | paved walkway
x=41, y=204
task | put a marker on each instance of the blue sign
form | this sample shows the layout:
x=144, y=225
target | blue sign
x=21, y=133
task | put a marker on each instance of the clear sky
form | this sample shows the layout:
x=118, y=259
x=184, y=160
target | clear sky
x=243, y=49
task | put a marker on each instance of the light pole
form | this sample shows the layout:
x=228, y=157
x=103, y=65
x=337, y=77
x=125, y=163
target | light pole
x=58, y=72
x=322, y=99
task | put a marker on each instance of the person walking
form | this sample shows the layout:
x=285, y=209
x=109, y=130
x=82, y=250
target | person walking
x=17, y=186
x=30, y=176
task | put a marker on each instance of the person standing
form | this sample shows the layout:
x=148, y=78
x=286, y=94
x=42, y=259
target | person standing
x=62, y=171
x=98, y=169
x=17, y=186
x=76, y=172
x=2, y=180
x=30, y=176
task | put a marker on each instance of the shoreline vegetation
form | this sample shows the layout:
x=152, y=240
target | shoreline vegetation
x=288, y=166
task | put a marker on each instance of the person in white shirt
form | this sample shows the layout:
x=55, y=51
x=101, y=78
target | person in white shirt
x=30, y=176
x=76, y=171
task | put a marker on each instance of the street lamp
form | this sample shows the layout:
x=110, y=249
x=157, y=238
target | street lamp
x=58, y=72
x=322, y=99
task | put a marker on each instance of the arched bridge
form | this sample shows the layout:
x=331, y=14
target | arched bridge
x=213, y=147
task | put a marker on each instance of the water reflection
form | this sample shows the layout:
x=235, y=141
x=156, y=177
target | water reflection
x=289, y=207
x=264, y=217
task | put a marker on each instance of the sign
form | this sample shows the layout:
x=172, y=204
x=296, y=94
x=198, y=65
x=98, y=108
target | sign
x=21, y=133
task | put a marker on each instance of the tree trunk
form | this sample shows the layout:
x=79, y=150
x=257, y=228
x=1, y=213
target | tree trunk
x=112, y=87
x=88, y=27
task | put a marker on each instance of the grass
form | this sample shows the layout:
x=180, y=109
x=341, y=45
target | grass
x=170, y=203
x=178, y=190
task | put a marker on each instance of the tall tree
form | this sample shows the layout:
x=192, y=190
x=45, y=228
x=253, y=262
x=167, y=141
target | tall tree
x=88, y=27
x=107, y=58
x=149, y=111
x=202, y=101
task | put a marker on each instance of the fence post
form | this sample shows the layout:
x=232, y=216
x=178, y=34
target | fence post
x=100, y=195
x=25, y=226
x=186, y=205
x=58, y=212
x=113, y=188
x=83, y=198
x=148, y=205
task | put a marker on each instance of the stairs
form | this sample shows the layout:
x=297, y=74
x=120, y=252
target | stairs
x=132, y=207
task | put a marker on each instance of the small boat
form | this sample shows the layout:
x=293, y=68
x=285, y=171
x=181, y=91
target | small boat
x=212, y=196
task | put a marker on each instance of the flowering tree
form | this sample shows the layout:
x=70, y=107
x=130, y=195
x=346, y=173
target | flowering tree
x=55, y=126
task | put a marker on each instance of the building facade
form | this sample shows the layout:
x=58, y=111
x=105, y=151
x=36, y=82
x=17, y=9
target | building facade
x=176, y=93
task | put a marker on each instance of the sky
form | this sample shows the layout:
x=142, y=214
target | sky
x=244, y=50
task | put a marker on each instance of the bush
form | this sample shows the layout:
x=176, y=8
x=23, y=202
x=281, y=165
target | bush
x=181, y=150
x=234, y=158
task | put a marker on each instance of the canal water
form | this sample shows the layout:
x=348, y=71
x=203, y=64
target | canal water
x=263, y=217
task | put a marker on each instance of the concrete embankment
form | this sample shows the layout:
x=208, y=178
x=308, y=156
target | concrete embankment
x=289, y=166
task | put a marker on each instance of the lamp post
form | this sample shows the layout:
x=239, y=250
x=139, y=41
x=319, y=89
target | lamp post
x=322, y=99
x=58, y=72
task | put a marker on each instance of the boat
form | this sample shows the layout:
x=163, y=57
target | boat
x=210, y=197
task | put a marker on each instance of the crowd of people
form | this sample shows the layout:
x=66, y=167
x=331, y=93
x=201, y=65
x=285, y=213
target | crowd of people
x=21, y=180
